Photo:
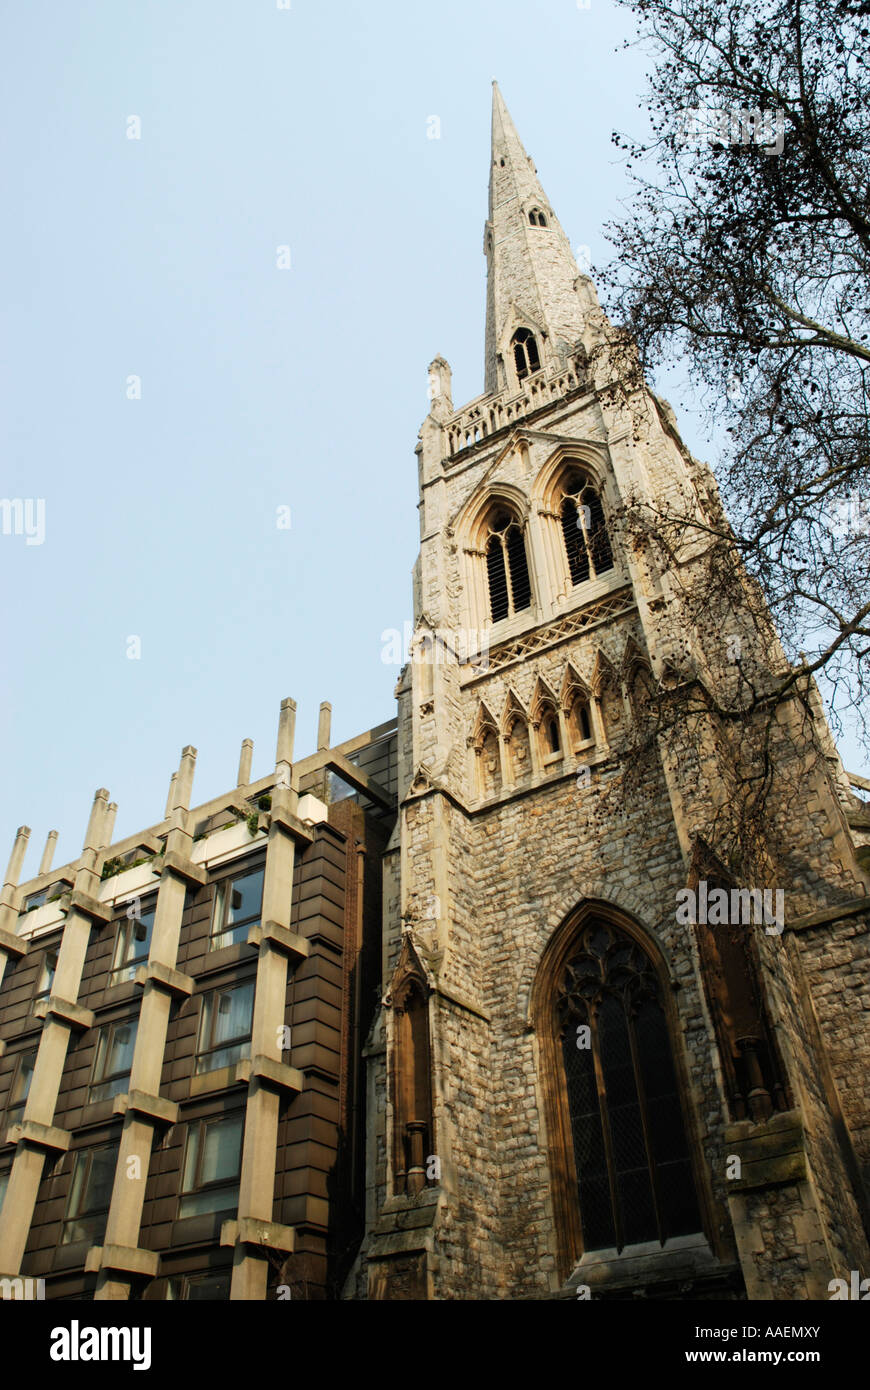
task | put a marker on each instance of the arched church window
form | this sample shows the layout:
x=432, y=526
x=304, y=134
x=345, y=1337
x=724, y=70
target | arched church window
x=507, y=567
x=412, y=1096
x=587, y=545
x=537, y=218
x=526, y=356
x=551, y=734
x=581, y=721
x=634, y=1180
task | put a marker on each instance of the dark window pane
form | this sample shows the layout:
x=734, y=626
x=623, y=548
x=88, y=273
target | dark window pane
x=495, y=570
x=592, y=1184
x=602, y=555
x=520, y=584
x=575, y=548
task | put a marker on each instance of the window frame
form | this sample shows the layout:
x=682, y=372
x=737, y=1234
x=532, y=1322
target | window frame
x=44, y=992
x=100, y=1079
x=554, y=1091
x=196, y=1131
x=220, y=934
x=187, y=1280
x=499, y=535
x=208, y=1016
x=122, y=972
x=520, y=344
x=74, y=1216
x=16, y=1104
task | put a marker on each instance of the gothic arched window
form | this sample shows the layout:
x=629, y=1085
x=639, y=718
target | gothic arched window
x=412, y=1096
x=537, y=218
x=632, y=1167
x=581, y=721
x=587, y=545
x=507, y=568
x=526, y=357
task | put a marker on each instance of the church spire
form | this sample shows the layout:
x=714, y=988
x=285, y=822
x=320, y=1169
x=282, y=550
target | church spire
x=532, y=273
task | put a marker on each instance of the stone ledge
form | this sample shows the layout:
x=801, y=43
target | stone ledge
x=87, y=906
x=184, y=868
x=164, y=977
x=221, y=1079
x=148, y=1107
x=264, y=1235
x=680, y=1259
x=291, y=825
x=401, y=1243
x=280, y=938
x=853, y=907
x=38, y=1136
x=13, y=945
x=277, y=1076
x=64, y=1011
x=127, y=1259
x=770, y=1153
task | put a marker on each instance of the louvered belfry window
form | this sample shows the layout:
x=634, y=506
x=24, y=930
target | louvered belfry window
x=587, y=545
x=507, y=568
x=634, y=1174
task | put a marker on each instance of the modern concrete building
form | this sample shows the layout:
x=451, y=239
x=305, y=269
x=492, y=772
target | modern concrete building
x=181, y=1099
x=427, y=1015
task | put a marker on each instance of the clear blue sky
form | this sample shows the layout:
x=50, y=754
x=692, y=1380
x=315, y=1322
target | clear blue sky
x=261, y=387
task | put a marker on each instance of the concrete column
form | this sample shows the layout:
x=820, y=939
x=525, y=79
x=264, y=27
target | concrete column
x=324, y=726
x=257, y=1184
x=245, y=759
x=121, y=1257
x=48, y=852
x=170, y=799
x=109, y=827
x=9, y=892
x=63, y=1015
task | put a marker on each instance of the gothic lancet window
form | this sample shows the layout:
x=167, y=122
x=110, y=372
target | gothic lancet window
x=525, y=350
x=537, y=218
x=507, y=567
x=412, y=1096
x=581, y=721
x=755, y=1078
x=587, y=545
x=634, y=1179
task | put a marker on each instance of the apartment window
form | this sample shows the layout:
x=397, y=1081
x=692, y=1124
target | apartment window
x=133, y=945
x=90, y=1194
x=47, y=970
x=238, y=903
x=212, y=1165
x=21, y=1086
x=114, y=1060
x=200, y=1288
x=225, y=1027
x=4, y=1183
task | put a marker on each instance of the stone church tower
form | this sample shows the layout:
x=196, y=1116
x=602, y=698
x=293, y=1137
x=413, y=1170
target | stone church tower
x=578, y=1087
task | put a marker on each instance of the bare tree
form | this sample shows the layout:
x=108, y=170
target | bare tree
x=746, y=252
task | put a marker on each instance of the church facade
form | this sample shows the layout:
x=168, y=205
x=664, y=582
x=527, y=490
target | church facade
x=578, y=1089
x=508, y=998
